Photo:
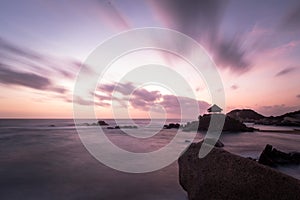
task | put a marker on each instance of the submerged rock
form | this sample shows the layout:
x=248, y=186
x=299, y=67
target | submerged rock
x=273, y=157
x=222, y=175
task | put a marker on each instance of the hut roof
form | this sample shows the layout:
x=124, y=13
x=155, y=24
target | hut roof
x=214, y=108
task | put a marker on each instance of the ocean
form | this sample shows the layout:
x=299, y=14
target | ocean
x=45, y=159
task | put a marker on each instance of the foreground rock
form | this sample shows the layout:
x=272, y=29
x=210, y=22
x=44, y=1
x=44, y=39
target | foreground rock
x=273, y=157
x=222, y=175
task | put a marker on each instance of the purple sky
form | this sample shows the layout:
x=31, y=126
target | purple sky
x=255, y=45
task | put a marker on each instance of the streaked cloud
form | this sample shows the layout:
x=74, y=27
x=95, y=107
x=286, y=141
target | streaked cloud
x=202, y=21
x=142, y=99
x=291, y=20
x=27, y=79
x=234, y=87
x=286, y=71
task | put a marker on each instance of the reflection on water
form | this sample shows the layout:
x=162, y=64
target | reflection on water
x=42, y=162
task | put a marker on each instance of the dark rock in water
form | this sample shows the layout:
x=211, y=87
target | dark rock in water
x=222, y=175
x=52, y=125
x=172, y=125
x=273, y=157
x=128, y=127
x=123, y=127
x=102, y=123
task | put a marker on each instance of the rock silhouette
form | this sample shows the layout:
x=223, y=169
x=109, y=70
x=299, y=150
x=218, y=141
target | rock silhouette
x=273, y=157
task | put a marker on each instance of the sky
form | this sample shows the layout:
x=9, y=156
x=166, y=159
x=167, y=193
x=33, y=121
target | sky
x=255, y=46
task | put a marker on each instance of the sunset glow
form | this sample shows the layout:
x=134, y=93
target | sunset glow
x=44, y=43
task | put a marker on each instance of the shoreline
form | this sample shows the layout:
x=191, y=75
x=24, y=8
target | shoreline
x=291, y=132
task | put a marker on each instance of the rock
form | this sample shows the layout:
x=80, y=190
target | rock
x=218, y=144
x=172, y=125
x=273, y=157
x=230, y=124
x=245, y=115
x=52, y=125
x=123, y=127
x=191, y=126
x=102, y=123
x=128, y=127
x=222, y=175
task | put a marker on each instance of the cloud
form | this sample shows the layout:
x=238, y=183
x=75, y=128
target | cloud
x=286, y=71
x=81, y=101
x=234, y=87
x=230, y=53
x=291, y=20
x=24, y=52
x=123, y=88
x=190, y=17
x=142, y=99
x=18, y=56
x=146, y=95
x=202, y=19
x=175, y=104
x=111, y=16
x=26, y=79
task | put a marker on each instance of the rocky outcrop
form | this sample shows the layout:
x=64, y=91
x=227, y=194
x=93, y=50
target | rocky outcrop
x=172, y=125
x=122, y=127
x=230, y=124
x=273, y=157
x=222, y=175
x=102, y=123
x=245, y=115
x=248, y=115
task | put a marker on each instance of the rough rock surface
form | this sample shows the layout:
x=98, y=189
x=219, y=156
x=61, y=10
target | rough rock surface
x=230, y=124
x=102, y=123
x=222, y=175
x=273, y=157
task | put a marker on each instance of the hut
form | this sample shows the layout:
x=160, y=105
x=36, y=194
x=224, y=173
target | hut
x=214, y=109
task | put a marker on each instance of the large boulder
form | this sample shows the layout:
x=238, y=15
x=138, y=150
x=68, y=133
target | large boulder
x=222, y=175
x=273, y=157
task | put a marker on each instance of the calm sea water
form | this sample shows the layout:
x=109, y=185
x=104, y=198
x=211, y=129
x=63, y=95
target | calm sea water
x=42, y=162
